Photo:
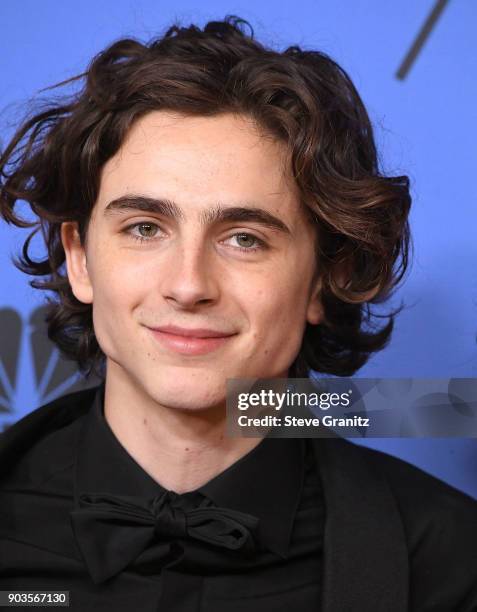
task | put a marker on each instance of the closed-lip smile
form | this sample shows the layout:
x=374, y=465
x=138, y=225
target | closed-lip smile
x=190, y=341
x=197, y=332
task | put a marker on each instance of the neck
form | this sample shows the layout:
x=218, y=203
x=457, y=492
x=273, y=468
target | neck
x=179, y=449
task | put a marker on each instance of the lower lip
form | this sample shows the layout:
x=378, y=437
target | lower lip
x=187, y=345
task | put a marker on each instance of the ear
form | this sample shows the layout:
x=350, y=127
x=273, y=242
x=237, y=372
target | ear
x=76, y=266
x=314, y=313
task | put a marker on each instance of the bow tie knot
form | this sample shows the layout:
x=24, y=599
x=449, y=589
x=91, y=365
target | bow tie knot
x=112, y=530
x=169, y=511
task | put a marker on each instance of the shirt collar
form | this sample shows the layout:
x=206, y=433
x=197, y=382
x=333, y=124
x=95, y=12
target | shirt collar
x=266, y=482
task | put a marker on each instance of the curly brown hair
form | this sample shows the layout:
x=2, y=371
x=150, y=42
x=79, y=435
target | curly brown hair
x=303, y=98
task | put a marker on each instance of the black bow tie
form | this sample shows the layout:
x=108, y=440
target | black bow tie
x=112, y=530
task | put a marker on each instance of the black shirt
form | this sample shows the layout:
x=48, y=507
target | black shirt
x=395, y=539
x=108, y=565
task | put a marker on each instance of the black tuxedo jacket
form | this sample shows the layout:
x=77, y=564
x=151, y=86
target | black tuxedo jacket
x=396, y=539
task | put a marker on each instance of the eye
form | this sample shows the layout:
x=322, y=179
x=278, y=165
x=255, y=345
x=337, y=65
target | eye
x=144, y=231
x=247, y=242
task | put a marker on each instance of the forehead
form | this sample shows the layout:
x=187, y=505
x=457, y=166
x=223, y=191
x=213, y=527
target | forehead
x=199, y=161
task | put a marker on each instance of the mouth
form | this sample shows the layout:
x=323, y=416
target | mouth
x=190, y=341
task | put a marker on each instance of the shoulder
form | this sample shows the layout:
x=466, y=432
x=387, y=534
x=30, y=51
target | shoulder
x=439, y=524
x=45, y=433
x=420, y=496
x=417, y=492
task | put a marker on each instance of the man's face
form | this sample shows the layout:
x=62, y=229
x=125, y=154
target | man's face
x=197, y=226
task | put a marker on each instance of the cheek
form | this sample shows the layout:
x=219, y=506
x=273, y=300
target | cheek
x=278, y=316
x=117, y=291
x=118, y=281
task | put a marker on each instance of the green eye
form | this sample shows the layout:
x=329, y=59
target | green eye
x=246, y=240
x=144, y=231
x=147, y=230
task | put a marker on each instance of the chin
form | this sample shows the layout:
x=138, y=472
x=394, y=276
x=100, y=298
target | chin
x=191, y=403
x=186, y=392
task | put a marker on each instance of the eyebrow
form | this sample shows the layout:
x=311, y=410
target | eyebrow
x=215, y=214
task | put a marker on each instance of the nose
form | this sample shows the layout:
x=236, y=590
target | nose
x=190, y=280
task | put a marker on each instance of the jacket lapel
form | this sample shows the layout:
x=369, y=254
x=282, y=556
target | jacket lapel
x=365, y=554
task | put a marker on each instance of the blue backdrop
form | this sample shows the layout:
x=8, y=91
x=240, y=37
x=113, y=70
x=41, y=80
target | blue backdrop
x=424, y=111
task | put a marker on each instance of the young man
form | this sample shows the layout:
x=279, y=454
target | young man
x=214, y=210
